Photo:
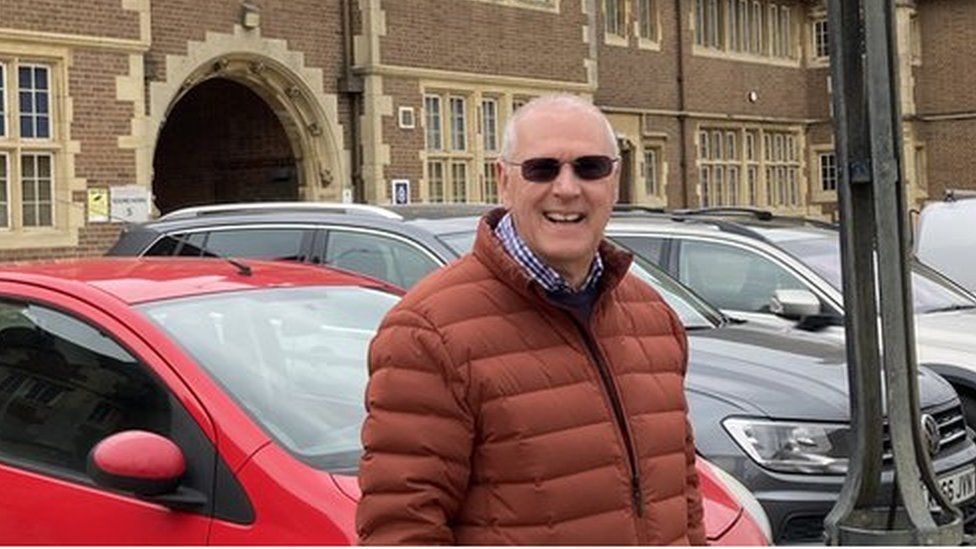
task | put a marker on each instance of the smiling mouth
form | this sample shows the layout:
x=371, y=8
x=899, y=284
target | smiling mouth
x=564, y=217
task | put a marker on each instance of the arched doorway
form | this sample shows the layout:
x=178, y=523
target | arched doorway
x=221, y=142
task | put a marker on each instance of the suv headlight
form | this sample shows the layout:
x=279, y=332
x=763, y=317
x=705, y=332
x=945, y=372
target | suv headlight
x=793, y=446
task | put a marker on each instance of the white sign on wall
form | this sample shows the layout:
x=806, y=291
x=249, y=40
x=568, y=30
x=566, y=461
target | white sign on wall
x=400, y=191
x=130, y=203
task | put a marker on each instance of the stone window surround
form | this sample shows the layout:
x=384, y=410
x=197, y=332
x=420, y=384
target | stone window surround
x=15, y=148
x=818, y=194
x=653, y=42
x=611, y=38
x=656, y=142
x=760, y=163
x=476, y=158
x=540, y=5
x=449, y=156
x=725, y=52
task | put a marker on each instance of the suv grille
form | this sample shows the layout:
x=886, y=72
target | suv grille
x=952, y=429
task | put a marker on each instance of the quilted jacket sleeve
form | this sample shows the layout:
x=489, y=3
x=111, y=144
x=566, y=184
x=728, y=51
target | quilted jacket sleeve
x=696, y=523
x=417, y=437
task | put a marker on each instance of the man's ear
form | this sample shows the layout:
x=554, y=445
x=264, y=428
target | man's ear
x=504, y=183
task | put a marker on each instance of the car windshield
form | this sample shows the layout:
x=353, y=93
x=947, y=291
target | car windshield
x=928, y=292
x=459, y=243
x=292, y=358
x=694, y=313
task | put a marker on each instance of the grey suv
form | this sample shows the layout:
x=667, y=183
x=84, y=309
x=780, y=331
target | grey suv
x=771, y=408
x=366, y=239
x=785, y=272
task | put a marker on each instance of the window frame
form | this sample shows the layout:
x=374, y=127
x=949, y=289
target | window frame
x=459, y=181
x=6, y=188
x=433, y=123
x=489, y=131
x=4, y=92
x=615, y=18
x=821, y=39
x=34, y=92
x=37, y=202
x=652, y=172
x=647, y=28
x=457, y=123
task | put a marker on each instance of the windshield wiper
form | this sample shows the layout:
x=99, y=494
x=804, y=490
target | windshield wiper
x=951, y=308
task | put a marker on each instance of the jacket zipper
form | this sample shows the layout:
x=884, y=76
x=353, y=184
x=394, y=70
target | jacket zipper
x=610, y=388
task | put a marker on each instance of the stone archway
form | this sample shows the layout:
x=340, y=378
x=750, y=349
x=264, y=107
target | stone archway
x=289, y=89
x=222, y=143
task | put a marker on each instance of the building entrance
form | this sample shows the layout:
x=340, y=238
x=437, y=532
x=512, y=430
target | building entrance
x=220, y=143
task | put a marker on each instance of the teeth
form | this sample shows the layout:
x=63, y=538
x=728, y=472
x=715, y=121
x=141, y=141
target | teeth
x=564, y=218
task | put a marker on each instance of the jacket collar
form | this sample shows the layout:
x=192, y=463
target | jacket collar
x=490, y=251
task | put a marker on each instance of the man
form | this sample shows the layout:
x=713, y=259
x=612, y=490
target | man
x=532, y=392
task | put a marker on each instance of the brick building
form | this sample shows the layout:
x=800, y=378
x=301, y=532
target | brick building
x=191, y=102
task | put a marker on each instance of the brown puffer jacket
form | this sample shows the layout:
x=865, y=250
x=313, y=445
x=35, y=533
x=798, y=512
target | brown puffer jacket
x=491, y=422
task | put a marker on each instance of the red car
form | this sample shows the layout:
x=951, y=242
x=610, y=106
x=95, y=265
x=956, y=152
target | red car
x=197, y=402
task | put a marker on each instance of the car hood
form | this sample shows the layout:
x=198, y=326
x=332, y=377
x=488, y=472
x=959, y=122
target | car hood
x=772, y=373
x=950, y=330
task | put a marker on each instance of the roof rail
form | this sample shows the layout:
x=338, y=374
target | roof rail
x=637, y=208
x=252, y=207
x=758, y=213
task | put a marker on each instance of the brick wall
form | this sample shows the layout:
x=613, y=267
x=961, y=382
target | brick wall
x=630, y=76
x=99, y=118
x=945, y=81
x=949, y=146
x=91, y=17
x=92, y=240
x=405, y=145
x=469, y=36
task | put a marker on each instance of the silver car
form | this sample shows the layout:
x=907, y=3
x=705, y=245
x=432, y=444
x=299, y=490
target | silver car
x=786, y=272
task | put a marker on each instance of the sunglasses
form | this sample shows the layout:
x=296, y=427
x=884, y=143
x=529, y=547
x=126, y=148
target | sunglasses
x=545, y=170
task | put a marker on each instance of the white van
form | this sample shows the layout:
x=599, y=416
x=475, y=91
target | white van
x=946, y=237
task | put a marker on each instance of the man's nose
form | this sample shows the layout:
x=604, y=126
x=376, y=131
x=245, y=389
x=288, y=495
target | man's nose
x=567, y=183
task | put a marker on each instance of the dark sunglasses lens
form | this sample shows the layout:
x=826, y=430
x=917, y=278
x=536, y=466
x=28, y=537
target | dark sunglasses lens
x=593, y=167
x=540, y=170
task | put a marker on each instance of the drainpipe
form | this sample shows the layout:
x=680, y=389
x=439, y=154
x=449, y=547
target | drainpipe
x=682, y=116
x=351, y=85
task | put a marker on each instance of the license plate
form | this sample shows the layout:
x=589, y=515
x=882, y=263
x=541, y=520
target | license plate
x=958, y=486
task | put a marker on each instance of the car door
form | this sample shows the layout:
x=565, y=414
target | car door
x=384, y=256
x=71, y=375
x=738, y=280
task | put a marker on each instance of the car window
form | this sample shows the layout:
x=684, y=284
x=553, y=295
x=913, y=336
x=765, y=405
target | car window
x=263, y=243
x=293, y=358
x=732, y=278
x=64, y=386
x=380, y=257
x=460, y=243
x=165, y=246
x=192, y=245
x=929, y=293
x=647, y=247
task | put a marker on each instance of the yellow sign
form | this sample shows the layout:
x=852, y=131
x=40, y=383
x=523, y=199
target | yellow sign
x=97, y=205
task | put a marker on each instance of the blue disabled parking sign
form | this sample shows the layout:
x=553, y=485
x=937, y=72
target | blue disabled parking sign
x=400, y=190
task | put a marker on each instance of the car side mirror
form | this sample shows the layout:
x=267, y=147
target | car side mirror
x=148, y=465
x=794, y=304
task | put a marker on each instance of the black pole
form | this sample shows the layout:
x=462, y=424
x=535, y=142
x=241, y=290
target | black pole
x=874, y=232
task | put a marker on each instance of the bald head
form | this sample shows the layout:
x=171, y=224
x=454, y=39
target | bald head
x=563, y=102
